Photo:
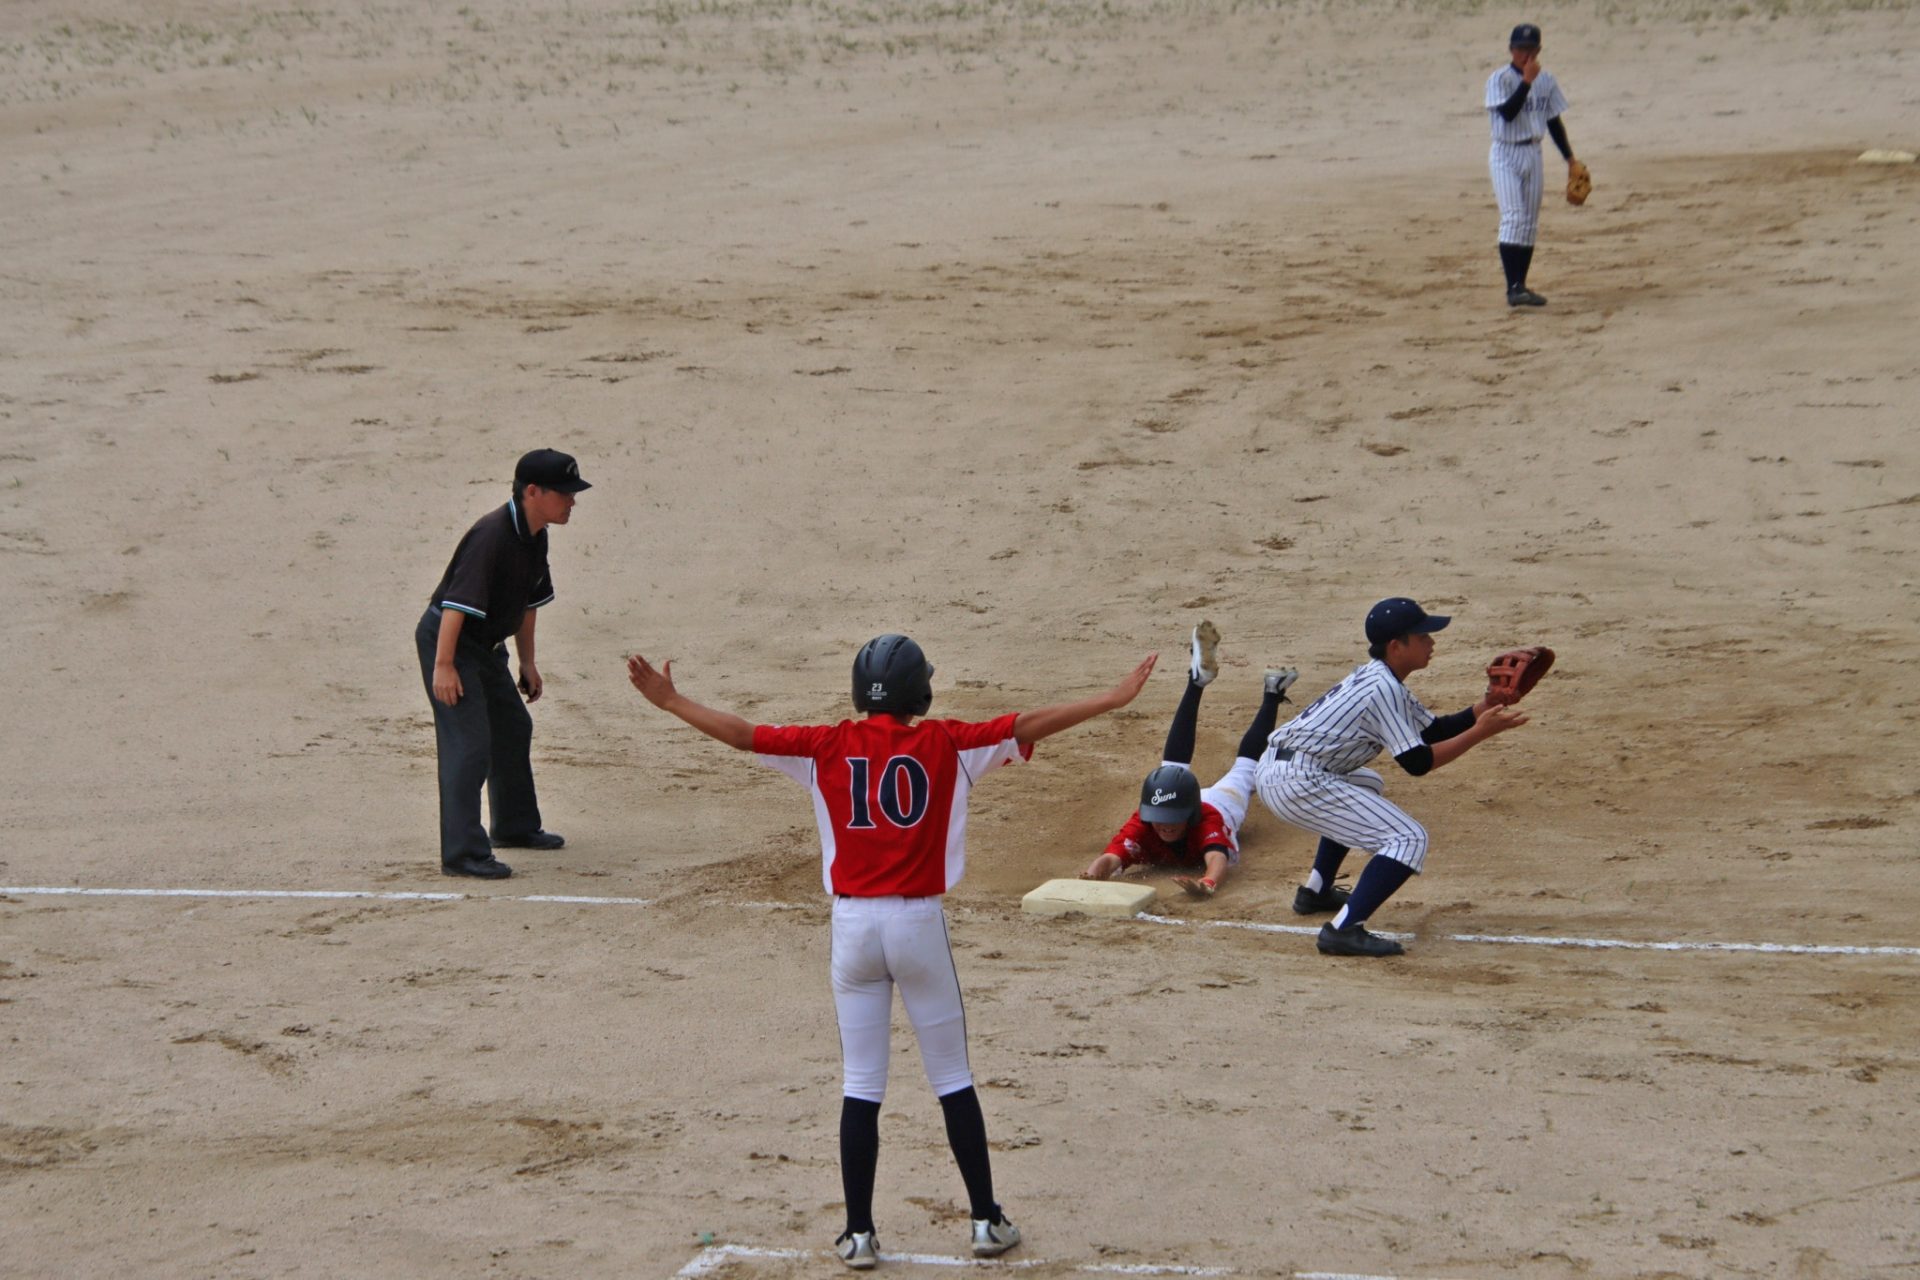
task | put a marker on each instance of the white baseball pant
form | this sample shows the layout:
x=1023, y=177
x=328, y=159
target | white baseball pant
x=880, y=943
x=1518, y=182
x=1347, y=807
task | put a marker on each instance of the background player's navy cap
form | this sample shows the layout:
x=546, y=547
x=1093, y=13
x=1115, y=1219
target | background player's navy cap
x=1525, y=36
x=1391, y=619
x=550, y=469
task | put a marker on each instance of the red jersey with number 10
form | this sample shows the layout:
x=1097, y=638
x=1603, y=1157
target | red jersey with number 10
x=890, y=798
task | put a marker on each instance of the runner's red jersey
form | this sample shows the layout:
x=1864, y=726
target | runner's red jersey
x=1138, y=842
x=890, y=798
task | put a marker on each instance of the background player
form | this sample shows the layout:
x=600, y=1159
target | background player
x=890, y=797
x=1177, y=823
x=1523, y=103
x=1311, y=775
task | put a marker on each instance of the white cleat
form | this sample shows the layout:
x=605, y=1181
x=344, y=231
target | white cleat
x=991, y=1239
x=1206, y=658
x=858, y=1249
x=1279, y=681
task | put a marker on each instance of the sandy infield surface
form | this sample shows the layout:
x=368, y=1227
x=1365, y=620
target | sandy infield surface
x=1038, y=331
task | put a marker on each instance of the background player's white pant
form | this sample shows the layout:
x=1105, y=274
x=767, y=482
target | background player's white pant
x=1230, y=796
x=1347, y=807
x=1518, y=180
x=879, y=943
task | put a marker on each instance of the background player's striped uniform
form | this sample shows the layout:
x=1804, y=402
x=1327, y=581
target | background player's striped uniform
x=1514, y=158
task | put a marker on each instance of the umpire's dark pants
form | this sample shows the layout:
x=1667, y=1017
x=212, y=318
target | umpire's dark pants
x=483, y=738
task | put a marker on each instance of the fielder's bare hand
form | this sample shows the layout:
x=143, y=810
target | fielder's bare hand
x=1530, y=67
x=1499, y=719
x=656, y=686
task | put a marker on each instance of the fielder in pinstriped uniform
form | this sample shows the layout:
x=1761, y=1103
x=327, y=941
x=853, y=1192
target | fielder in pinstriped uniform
x=1312, y=776
x=1523, y=104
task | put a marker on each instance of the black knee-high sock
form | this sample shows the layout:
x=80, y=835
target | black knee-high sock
x=967, y=1135
x=1186, y=722
x=1377, y=883
x=1254, y=742
x=1510, y=263
x=859, y=1157
x=1326, y=863
x=1525, y=262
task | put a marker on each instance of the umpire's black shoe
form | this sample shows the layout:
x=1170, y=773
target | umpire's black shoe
x=1354, y=940
x=478, y=868
x=532, y=840
x=1524, y=297
x=1308, y=902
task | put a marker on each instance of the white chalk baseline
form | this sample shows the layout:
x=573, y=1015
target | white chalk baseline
x=1256, y=926
x=712, y=1258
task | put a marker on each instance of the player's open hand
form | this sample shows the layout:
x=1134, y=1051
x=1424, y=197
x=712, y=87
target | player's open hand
x=655, y=686
x=1129, y=689
x=1500, y=719
x=1530, y=66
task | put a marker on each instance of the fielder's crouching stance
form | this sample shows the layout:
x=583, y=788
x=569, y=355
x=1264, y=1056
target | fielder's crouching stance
x=890, y=797
x=1311, y=774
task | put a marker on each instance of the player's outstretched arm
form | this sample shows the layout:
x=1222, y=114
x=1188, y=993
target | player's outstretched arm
x=657, y=687
x=1031, y=726
x=1486, y=723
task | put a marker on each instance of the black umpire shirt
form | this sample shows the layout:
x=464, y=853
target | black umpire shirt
x=497, y=573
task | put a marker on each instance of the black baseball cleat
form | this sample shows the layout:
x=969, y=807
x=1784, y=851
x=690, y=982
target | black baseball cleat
x=1354, y=940
x=1307, y=902
x=1524, y=297
x=478, y=868
x=532, y=840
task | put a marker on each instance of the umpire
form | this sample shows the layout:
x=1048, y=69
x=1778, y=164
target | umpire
x=492, y=589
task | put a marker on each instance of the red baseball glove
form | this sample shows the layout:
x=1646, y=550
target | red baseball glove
x=1512, y=675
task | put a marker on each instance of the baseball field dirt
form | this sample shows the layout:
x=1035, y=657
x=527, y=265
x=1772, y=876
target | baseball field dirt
x=1039, y=331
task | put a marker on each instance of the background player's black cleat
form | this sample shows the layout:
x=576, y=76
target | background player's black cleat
x=478, y=868
x=1524, y=297
x=532, y=840
x=1354, y=940
x=1306, y=902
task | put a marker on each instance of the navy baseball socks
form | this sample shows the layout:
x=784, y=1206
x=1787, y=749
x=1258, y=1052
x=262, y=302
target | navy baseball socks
x=967, y=1135
x=1346, y=934
x=1515, y=259
x=859, y=1157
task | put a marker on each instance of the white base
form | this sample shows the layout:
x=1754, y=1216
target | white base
x=1886, y=157
x=1089, y=897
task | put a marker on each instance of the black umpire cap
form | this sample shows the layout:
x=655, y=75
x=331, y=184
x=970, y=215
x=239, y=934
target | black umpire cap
x=550, y=469
x=1525, y=36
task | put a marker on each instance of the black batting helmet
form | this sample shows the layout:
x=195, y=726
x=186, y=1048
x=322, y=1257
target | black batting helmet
x=891, y=674
x=1170, y=794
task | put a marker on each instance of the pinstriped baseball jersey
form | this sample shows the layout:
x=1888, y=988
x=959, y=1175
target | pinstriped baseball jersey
x=1543, y=103
x=1368, y=712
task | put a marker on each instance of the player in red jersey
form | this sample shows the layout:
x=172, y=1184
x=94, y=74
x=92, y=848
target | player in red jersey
x=1177, y=823
x=890, y=797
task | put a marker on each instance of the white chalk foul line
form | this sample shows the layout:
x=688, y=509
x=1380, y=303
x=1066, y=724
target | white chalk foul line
x=1255, y=926
x=1596, y=944
x=712, y=1258
x=74, y=891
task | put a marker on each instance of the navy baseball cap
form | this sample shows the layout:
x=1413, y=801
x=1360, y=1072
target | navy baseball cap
x=1399, y=616
x=1525, y=36
x=550, y=469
